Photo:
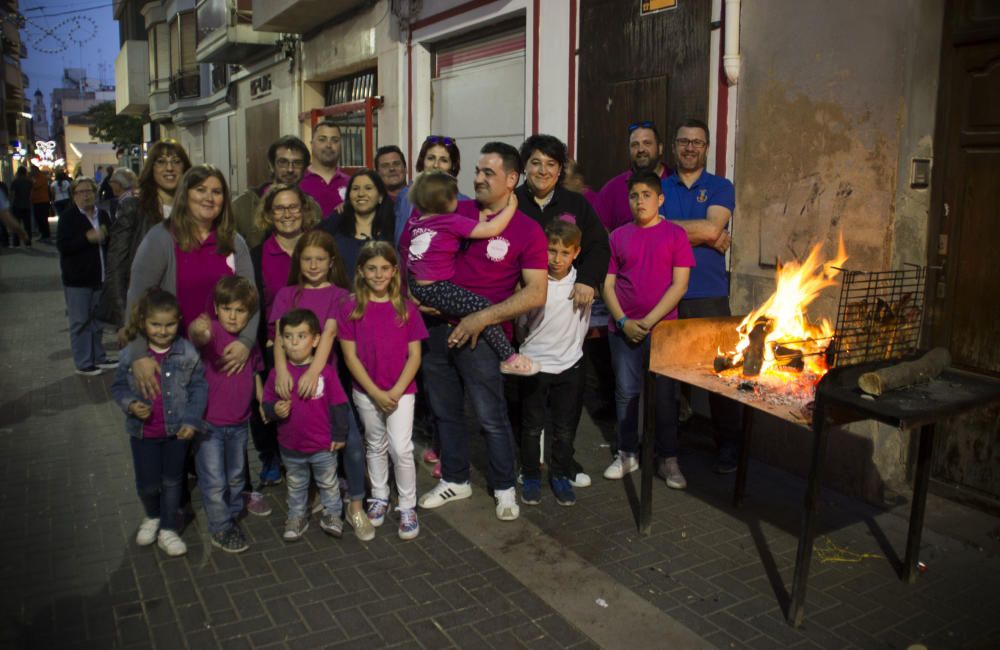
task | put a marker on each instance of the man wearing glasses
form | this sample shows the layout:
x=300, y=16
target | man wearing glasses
x=390, y=165
x=645, y=150
x=702, y=204
x=287, y=158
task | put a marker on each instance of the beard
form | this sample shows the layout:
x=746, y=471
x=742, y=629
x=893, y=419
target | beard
x=650, y=167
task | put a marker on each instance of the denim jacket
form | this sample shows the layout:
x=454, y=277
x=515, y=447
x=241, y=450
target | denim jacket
x=182, y=383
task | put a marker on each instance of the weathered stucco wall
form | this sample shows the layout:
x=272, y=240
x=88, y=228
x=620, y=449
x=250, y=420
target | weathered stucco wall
x=834, y=101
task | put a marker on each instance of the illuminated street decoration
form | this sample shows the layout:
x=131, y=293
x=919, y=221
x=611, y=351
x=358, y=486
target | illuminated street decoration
x=45, y=155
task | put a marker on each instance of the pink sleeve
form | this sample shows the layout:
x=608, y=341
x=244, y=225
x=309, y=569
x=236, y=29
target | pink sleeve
x=683, y=254
x=415, y=328
x=281, y=304
x=346, y=328
x=613, y=260
x=535, y=254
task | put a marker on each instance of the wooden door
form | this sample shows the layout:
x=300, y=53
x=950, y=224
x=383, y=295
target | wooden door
x=965, y=293
x=635, y=68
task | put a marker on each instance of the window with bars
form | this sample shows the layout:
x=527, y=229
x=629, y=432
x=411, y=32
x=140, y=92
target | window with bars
x=354, y=88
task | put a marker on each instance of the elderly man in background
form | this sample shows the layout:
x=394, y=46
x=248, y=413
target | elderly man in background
x=122, y=182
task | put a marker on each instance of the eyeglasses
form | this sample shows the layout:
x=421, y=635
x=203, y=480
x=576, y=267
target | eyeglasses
x=84, y=191
x=298, y=163
x=168, y=162
x=684, y=142
x=286, y=209
x=645, y=124
x=440, y=139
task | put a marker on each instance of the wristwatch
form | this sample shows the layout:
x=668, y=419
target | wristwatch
x=621, y=322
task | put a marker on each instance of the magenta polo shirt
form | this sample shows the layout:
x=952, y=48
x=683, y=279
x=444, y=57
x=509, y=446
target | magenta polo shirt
x=611, y=202
x=197, y=273
x=382, y=340
x=275, y=265
x=434, y=245
x=307, y=427
x=229, y=396
x=328, y=195
x=325, y=303
x=643, y=261
x=156, y=425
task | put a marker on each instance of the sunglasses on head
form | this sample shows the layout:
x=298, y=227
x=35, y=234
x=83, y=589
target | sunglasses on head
x=440, y=139
x=645, y=124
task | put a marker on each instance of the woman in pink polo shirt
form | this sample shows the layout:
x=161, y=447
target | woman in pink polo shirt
x=285, y=213
x=186, y=255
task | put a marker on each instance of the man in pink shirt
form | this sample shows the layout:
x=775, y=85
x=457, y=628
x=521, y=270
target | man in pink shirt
x=645, y=150
x=452, y=362
x=323, y=179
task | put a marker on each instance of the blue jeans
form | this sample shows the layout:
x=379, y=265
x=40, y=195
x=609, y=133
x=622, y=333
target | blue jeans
x=628, y=359
x=354, y=460
x=323, y=466
x=219, y=457
x=159, y=472
x=84, y=329
x=450, y=375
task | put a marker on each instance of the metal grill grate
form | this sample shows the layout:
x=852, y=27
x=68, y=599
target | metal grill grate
x=879, y=316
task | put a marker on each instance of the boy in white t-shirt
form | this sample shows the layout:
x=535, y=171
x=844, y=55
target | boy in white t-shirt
x=553, y=336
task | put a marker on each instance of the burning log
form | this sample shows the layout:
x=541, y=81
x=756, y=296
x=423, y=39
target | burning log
x=726, y=362
x=907, y=373
x=754, y=354
x=789, y=358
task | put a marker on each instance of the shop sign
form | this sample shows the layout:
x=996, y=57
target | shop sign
x=260, y=86
x=647, y=7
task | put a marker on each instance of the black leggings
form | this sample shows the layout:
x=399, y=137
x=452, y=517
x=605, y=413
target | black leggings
x=453, y=300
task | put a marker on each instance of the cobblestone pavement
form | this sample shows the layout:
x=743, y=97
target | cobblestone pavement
x=73, y=577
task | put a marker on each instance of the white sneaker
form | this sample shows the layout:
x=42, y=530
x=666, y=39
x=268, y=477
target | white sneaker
x=444, y=492
x=171, y=544
x=507, y=508
x=623, y=464
x=147, y=531
x=581, y=480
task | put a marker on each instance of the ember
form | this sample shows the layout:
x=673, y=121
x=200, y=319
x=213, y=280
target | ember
x=780, y=353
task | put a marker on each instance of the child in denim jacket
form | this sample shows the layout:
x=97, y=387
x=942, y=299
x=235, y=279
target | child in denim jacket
x=161, y=430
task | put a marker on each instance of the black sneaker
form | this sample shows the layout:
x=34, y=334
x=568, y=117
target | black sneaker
x=727, y=462
x=108, y=364
x=89, y=371
x=230, y=540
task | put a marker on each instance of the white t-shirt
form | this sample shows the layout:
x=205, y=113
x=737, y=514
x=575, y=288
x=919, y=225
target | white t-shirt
x=555, y=332
x=60, y=190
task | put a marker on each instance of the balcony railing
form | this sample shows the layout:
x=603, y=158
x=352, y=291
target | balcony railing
x=185, y=85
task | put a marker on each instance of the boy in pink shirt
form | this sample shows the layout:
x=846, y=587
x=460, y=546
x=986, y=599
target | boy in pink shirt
x=310, y=430
x=648, y=273
x=220, y=451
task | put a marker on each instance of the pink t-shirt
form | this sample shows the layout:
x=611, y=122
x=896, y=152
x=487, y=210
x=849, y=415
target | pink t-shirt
x=643, y=261
x=434, y=245
x=197, y=273
x=325, y=303
x=275, y=265
x=229, y=396
x=307, y=427
x=327, y=195
x=611, y=202
x=382, y=340
x=156, y=425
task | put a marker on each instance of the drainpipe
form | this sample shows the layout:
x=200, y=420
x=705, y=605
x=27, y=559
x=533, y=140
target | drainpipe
x=731, y=59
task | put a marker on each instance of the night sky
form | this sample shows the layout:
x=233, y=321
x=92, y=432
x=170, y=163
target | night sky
x=67, y=34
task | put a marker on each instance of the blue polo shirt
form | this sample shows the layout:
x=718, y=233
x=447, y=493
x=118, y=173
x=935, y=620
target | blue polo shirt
x=682, y=203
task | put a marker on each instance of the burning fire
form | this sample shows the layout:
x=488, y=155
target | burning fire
x=777, y=338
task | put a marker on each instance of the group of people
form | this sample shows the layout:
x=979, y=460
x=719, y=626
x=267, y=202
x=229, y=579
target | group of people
x=231, y=313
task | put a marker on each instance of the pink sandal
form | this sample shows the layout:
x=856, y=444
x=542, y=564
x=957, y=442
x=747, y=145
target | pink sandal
x=518, y=364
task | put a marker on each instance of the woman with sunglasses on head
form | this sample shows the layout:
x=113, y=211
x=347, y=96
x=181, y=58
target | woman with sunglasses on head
x=437, y=153
x=165, y=165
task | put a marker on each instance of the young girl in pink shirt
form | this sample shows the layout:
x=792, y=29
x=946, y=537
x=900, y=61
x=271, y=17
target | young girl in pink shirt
x=437, y=234
x=380, y=336
x=317, y=282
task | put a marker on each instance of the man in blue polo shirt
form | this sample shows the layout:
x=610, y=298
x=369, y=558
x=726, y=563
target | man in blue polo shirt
x=702, y=204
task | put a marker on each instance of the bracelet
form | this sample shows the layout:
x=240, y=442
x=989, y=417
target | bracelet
x=621, y=322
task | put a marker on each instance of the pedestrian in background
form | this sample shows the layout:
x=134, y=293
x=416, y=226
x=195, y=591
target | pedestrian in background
x=20, y=201
x=41, y=204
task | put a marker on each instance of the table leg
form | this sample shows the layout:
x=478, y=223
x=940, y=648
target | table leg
x=803, y=556
x=919, y=504
x=741, y=468
x=647, y=425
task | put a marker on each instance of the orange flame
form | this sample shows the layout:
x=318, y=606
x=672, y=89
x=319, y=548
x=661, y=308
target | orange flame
x=785, y=311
